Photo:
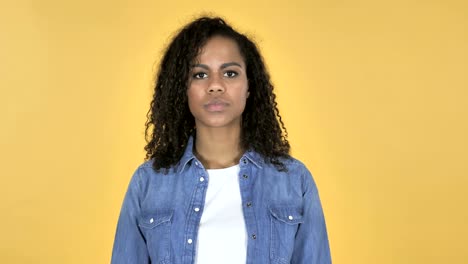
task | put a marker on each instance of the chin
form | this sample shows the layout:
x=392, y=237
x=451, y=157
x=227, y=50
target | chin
x=218, y=123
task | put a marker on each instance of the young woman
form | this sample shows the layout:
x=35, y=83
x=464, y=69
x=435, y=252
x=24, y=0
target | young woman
x=219, y=185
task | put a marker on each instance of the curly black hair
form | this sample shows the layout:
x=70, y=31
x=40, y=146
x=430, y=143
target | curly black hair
x=169, y=121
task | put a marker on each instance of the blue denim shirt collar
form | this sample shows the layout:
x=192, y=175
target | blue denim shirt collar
x=188, y=156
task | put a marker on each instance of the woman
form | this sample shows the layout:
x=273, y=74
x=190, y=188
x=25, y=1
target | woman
x=219, y=185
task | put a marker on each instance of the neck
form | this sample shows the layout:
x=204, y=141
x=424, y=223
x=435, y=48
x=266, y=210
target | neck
x=218, y=148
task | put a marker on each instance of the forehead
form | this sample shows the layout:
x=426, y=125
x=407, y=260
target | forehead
x=220, y=48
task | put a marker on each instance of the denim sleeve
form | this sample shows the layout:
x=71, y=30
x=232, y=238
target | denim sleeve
x=129, y=243
x=311, y=245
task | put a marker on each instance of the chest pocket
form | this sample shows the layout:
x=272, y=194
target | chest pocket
x=156, y=228
x=285, y=222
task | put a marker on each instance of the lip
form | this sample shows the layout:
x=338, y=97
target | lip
x=215, y=105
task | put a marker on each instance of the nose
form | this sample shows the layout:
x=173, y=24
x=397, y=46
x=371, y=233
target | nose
x=216, y=85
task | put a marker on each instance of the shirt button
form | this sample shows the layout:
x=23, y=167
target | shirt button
x=254, y=236
x=245, y=176
x=202, y=179
x=196, y=163
x=151, y=220
x=290, y=217
x=189, y=241
x=196, y=209
x=245, y=161
x=249, y=204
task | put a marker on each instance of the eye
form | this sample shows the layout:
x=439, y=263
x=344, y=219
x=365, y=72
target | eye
x=199, y=75
x=230, y=74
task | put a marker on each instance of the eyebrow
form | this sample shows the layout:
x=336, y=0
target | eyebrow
x=224, y=65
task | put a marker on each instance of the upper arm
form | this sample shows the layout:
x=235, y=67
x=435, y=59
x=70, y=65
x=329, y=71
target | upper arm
x=129, y=243
x=311, y=244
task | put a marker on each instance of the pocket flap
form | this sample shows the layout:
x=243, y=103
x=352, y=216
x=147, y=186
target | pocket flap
x=288, y=215
x=155, y=218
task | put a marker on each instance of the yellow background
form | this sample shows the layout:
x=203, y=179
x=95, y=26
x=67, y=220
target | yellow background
x=374, y=95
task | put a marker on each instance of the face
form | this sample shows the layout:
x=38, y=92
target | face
x=218, y=86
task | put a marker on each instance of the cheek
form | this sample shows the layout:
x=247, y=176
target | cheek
x=246, y=91
x=191, y=93
x=191, y=101
x=243, y=99
x=193, y=98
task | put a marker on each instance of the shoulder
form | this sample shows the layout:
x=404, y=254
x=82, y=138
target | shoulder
x=144, y=168
x=147, y=168
x=294, y=169
x=291, y=165
x=146, y=165
x=145, y=173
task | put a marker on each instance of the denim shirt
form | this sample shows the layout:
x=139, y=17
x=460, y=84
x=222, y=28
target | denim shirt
x=283, y=216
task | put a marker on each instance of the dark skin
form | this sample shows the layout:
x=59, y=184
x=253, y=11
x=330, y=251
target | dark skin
x=217, y=93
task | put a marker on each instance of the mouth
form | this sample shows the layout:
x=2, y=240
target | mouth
x=215, y=105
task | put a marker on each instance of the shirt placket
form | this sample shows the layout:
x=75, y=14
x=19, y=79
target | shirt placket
x=194, y=213
x=245, y=184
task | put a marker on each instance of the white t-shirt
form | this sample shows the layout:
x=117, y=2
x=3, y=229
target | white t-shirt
x=222, y=236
